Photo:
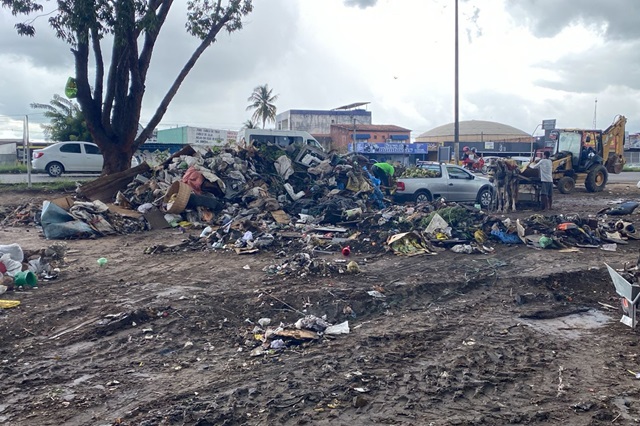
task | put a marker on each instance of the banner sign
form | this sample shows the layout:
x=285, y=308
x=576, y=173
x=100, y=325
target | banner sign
x=393, y=148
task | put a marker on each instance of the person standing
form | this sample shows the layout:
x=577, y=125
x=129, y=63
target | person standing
x=546, y=177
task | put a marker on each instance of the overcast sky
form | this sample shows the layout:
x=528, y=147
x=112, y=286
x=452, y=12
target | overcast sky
x=521, y=61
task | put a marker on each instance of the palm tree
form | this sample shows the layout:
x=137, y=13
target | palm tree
x=262, y=100
x=249, y=124
x=66, y=122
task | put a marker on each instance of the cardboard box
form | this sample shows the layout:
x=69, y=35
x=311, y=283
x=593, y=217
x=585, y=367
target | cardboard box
x=64, y=202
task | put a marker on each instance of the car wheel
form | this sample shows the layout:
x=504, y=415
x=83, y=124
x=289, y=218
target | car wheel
x=485, y=197
x=54, y=169
x=423, y=197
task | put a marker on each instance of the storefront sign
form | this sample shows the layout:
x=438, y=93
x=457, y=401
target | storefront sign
x=393, y=148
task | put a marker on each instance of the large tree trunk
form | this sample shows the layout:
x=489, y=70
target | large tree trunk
x=115, y=161
x=117, y=157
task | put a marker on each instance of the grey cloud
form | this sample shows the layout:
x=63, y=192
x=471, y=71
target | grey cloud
x=227, y=72
x=362, y=4
x=216, y=87
x=570, y=110
x=474, y=30
x=593, y=72
x=547, y=18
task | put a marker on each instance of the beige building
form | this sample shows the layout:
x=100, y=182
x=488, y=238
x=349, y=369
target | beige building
x=475, y=131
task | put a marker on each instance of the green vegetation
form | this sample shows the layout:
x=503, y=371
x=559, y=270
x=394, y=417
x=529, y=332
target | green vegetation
x=262, y=102
x=66, y=120
x=110, y=88
x=13, y=168
x=454, y=216
x=16, y=168
x=631, y=169
x=416, y=172
x=57, y=186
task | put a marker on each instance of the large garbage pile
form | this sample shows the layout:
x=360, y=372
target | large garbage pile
x=249, y=190
x=298, y=200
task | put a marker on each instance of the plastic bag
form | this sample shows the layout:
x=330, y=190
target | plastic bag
x=57, y=224
x=506, y=238
x=623, y=209
x=14, y=250
x=12, y=266
x=342, y=328
x=73, y=229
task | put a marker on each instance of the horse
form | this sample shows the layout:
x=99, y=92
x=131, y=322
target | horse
x=504, y=173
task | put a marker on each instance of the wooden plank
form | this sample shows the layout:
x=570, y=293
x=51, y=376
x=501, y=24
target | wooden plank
x=105, y=188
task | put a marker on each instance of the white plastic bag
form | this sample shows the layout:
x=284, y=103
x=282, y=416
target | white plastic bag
x=13, y=266
x=342, y=328
x=14, y=250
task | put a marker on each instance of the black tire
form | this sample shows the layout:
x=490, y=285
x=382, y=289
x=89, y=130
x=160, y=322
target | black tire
x=566, y=184
x=54, y=169
x=485, y=198
x=423, y=196
x=596, y=179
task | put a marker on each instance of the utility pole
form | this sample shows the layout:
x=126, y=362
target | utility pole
x=27, y=151
x=595, y=111
x=456, y=124
x=354, y=134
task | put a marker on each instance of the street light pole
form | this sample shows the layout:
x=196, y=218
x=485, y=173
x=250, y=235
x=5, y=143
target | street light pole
x=354, y=134
x=533, y=138
x=456, y=124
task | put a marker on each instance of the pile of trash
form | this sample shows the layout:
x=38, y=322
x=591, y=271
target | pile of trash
x=23, y=214
x=248, y=189
x=269, y=340
x=300, y=200
x=22, y=269
x=303, y=264
x=565, y=231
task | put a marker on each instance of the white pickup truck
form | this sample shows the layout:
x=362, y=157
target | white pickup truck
x=451, y=182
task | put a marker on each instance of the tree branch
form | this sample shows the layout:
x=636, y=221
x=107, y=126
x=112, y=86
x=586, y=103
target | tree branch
x=164, y=6
x=164, y=104
x=99, y=80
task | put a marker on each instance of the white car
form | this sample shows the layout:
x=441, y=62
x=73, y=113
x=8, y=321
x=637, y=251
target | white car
x=69, y=157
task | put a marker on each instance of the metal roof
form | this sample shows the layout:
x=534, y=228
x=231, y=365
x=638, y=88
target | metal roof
x=475, y=127
x=354, y=105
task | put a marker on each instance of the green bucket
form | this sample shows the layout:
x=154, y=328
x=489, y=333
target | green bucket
x=25, y=278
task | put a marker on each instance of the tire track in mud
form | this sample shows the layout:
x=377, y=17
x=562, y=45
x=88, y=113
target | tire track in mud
x=440, y=347
x=467, y=380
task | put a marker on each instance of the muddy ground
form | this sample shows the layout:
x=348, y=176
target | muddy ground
x=165, y=339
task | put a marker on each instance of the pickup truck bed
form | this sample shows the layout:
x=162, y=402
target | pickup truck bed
x=449, y=181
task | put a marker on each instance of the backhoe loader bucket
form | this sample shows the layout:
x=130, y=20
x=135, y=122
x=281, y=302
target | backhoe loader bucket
x=630, y=294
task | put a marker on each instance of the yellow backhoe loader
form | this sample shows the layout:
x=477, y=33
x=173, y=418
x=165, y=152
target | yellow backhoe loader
x=586, y=156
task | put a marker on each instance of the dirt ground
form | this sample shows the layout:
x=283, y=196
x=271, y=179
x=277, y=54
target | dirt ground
x=520, y=336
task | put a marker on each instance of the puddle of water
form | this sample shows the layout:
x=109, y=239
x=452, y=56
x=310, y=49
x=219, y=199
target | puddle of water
x=571, y=326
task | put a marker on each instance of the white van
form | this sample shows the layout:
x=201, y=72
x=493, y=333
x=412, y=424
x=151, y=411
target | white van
x=281, y=138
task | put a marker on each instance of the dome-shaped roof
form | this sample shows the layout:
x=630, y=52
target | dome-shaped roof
x=473, y=128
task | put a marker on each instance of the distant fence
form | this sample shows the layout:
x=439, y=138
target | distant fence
x=632, y=157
